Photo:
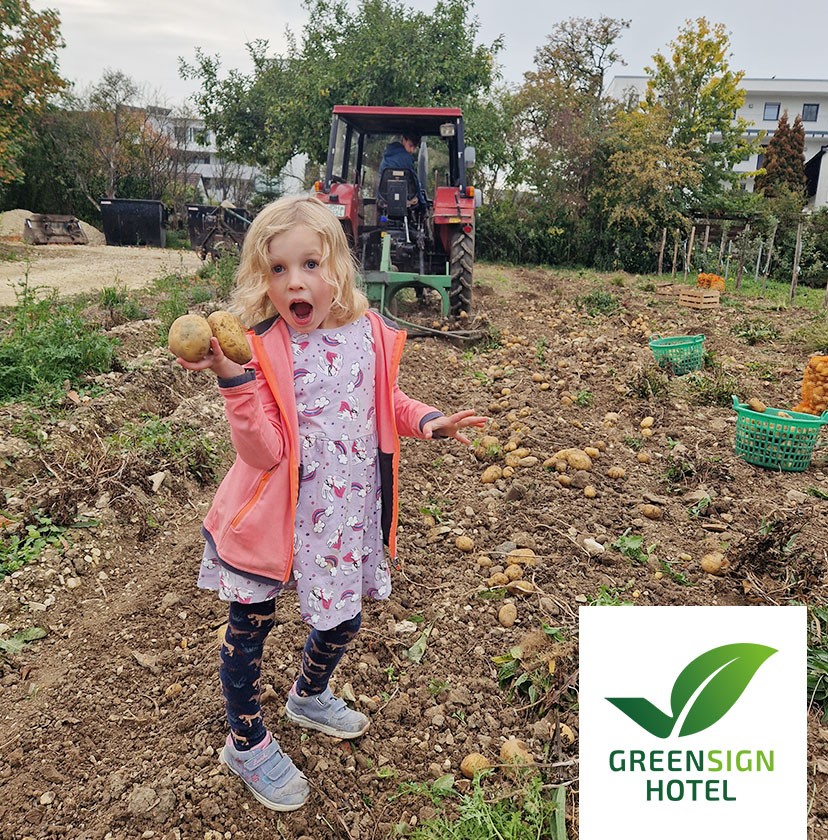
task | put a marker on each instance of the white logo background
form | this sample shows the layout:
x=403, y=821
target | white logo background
x=639, y=652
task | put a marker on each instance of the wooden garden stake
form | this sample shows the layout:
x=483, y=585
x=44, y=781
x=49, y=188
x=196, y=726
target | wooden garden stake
x=797, y=254
x=742, y=255
x=661, y=250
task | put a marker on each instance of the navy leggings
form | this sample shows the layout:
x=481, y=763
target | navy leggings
x=241, y=665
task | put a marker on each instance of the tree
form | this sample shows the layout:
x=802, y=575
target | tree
x=784, y=165
x=116, y=144
x=29, y=77
x=644, y=187
x=381, y=54
x=699, y=94
x=562, y=111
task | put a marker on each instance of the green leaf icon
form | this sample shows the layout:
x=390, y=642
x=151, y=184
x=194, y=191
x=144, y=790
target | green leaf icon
x=715, y=680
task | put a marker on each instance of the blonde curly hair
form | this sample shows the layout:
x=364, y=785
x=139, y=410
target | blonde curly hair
x=249, y=299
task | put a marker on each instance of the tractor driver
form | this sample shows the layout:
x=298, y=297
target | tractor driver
x=400, y=155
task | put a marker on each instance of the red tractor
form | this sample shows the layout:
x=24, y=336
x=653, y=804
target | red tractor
x=401, y=242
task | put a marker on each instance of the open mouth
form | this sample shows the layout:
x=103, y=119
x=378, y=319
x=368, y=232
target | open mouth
x=302, y=312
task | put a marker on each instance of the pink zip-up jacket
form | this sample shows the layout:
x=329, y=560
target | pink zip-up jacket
x=251, y=520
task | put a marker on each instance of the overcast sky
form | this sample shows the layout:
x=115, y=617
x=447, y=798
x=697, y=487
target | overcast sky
x=145, y=38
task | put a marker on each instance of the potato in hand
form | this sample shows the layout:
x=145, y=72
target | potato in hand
x=189, y=337
x=229, y=331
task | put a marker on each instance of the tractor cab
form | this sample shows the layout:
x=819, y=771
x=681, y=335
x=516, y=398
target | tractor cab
x=409, y=226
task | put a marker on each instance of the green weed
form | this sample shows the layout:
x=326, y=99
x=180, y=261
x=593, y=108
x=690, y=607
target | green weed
x=28, y=543
x=537, y=811
x=598, y=303
x=755, y=331
x=182, y=447
x=811, y=337
x=609, y=597
x=714, y=388
x=118, y=304
x=632, y=547
x=541, y=348
x=583, y=399
x=670, y=572
x=44, y=343
x=648, y=383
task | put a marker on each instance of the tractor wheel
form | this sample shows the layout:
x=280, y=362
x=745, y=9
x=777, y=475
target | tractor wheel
x=461, y=265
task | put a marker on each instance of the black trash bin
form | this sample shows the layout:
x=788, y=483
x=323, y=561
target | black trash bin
x=132, y=221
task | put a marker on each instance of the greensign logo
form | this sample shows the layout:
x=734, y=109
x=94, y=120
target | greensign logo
x=713, y=682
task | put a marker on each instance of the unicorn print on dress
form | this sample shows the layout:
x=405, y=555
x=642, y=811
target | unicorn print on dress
x=333, y=486
x=349, y=409
x=358, y=450
x=335, y=540
x=299, y=347
x=350, y=562
x=334, y=340
x=331, y=363
x=319, y=599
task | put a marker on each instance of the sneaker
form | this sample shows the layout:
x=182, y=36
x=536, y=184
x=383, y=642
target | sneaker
x=326, y=713
x=271, y=776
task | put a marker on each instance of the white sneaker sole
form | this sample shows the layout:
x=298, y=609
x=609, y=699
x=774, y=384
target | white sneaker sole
x=308, y=723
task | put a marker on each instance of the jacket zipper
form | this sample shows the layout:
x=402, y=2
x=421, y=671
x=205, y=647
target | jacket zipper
x=253, y=499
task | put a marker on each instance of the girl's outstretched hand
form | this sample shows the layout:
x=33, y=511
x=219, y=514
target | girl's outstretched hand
x=450, y=426
x=216, y=361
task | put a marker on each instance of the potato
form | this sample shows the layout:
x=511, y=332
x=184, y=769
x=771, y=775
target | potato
x=474, y=763
x=189, y=337
x=229, y=331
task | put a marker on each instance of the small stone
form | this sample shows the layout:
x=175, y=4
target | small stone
x=593, y=547
x=47, y=798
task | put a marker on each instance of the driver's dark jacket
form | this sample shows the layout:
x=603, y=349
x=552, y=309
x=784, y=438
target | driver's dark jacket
x=396, y=157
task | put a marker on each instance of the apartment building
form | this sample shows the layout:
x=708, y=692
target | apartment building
x=765, y=102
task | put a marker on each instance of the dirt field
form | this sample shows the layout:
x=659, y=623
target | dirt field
x=111, y=723
x=78, y=268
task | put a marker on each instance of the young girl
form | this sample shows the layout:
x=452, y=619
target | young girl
x=312, y=495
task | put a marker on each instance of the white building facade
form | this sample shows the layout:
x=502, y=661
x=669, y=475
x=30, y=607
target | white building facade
x=765, y=102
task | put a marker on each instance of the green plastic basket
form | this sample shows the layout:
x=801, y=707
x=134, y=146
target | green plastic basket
x=778, y=442
x=682, y=353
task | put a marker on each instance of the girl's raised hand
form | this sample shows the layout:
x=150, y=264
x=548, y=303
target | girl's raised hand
x=216, y=361
x=450, y=426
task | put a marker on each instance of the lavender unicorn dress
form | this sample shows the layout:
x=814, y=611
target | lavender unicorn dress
x=338, y=551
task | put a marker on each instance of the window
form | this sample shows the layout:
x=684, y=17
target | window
x=810, y=113
x=771, y=111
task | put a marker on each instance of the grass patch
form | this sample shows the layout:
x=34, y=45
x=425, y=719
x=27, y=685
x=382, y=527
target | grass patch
x=812, y=337
x=598, y=303
x=28, y=542
x=755, y=331
x=170, y=446
x=537, y=811
x=45, y=342
x=711, y=387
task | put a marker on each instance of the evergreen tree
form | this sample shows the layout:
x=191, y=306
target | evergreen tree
x=784, y=167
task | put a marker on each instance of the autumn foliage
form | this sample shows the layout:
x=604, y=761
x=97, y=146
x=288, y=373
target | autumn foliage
x=29, y=41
